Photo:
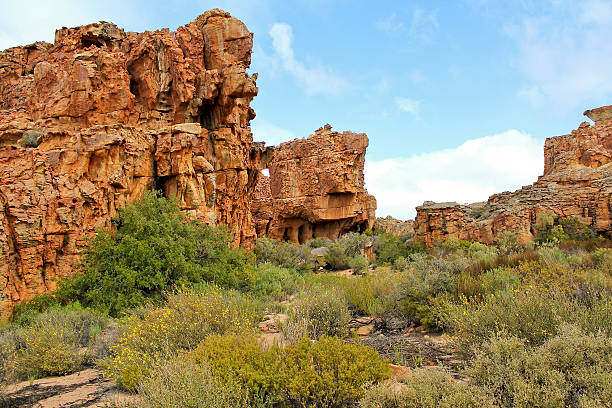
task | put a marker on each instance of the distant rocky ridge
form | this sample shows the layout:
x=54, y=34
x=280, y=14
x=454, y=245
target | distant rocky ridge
x=315, y=188
x=577, y=182
x=394, y=226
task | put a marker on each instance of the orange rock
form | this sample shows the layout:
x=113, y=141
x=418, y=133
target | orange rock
x=577, y=182
x=315, y=188
x=90, y=122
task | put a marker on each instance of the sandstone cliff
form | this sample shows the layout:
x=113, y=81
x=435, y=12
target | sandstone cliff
x=315, y=188
x=394, y=226
x=577, y=182
x=91, y=121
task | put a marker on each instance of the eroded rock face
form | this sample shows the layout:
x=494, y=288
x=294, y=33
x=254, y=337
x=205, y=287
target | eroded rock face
x=315, y=188
x=90, y=122
x=394, y=226
x=577, y=182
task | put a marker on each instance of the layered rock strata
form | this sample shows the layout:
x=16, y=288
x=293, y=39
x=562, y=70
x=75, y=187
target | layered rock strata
x=315, y=188
x=577, y=182
x=90, y=122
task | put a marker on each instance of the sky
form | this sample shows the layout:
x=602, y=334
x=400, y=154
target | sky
x=456, y=97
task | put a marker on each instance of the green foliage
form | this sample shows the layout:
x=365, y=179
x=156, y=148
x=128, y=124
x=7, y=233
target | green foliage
x=359, y=264
x=48, y=343
x=284, y=254
x=353, y=243
x=29, y=309
x=429, y=277
x=336, y=257
x=573, y=369
x=318, y=312
x=480, y=213
x=181, y=382
x=426, y=387
x=31, y=138
x=276, y=282
x=507, y=243
x=400, y=263
x=389, y=247
x=153, y=248
x=161, y=333
x=325, y=373
x=576, y=230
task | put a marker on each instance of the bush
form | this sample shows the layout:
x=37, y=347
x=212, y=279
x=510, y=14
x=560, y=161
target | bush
x=49, y=343
x=318, y=312
x=359, y=264
x=400, y=264
x=374, y=294
x=276, y=282
x=336, y=257
x=353, y=243
x=153, y=248
x=325, y=373
x=573, y=369
x=185, y=320
x=429, y=278
x=507, y=243
x=388, y=247
x=528, y=313
x=426, y=387
x=181, y=382
x=31, y=138
x=284, y=254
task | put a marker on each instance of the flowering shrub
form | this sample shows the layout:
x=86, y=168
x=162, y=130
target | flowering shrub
x=324, y=373
x=186, y=319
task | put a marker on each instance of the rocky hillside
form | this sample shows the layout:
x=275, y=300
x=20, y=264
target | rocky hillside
x=577, y=182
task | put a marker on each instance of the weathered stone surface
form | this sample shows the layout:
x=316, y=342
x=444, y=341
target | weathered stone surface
x=577, y=182
x=394, y=226
x=90, y=122
x=315, y=188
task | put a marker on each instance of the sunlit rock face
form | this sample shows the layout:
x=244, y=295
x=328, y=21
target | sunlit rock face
x=577, y=182
x=90, y=122
x=315, y=188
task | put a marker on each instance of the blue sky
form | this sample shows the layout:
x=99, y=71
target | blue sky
x=456, y=97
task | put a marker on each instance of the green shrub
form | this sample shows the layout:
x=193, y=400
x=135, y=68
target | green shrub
x=318, y=312
x=29, y=309
x=49, y=343
x=400, y=264
x=161, y=333
x=325, y=373
x=389, y=247
x=374, y=294
x=153, y=248
x=576, y=230
x=359, y=264
x=336, y=257
x=181, y=382
x=426, y=387
x=31, y=138
x=354, y=243
x=284, y=254
x=573, y=369
x=276, y=282
x=507, y=243
x=428, y=278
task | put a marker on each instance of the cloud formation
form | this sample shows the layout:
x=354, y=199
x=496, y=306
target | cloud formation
x=408, y=105
x=468, y=173
x=566, y=54
x=314, y=80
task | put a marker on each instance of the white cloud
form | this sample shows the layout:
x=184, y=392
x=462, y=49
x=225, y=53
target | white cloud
x=408, y=105
x=314, y=80
x=390, y=24
x=565, y=55
x=271, y=134
x=468, y=173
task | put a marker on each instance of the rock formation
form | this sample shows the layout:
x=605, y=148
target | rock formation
x=577, y=182
x=315, y=188
x=90, y=122
x=394, y=226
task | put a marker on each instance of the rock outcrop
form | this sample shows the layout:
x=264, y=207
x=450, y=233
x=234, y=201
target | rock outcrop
x=577, y=182
x=315, y=188
x=90, y=122
x=394, y=226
